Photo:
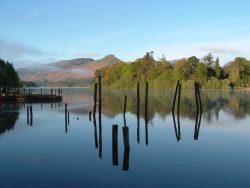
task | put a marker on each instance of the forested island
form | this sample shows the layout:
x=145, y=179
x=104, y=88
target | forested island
x=164, y=74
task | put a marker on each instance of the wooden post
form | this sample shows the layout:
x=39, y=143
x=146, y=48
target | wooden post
x=125, y=105
x=198, y=119
x=178, y=111
x=124, y=110
x=66, y=122
x=197, y=109
x=100, y=96
x=100, y=115
x=138, y=112
x=176, y=90
x=90, y=115
x=146, y=114
x=66, y=111
x=115, y=145
x=95, y=97
x=68, y=117
x=125, y=131
x=51, y=92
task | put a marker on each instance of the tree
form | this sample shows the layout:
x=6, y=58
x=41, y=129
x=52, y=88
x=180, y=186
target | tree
x=208, y=59
x=217, y=68
x=201, y=73
x=182, y=69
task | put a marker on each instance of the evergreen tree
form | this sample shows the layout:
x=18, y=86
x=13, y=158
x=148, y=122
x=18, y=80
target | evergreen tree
x=217, y=68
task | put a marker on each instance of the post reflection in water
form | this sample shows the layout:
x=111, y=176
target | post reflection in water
x=198, y=112
x=231, y=103
x=115, y=145
x=177, y=130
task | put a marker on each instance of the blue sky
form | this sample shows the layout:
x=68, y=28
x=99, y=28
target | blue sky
x=33, y=32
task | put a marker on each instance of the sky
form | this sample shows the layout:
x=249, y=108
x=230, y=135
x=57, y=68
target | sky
x=35, y=32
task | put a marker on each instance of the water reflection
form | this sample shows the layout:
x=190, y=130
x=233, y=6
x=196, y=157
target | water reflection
x=9, y=114
x=235, y=103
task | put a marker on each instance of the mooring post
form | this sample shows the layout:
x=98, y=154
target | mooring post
x=115, y=145
x=29, y=91
x=66, y=111
x=197, y=109
x=175, y=94
x=90, y=115
x=51, y=92
x=125, y=105
x=41, y=91
x=124, y=110
x=178, y=111
x=146, y=114
x=100, y=115
x=138, y=112
x=100, y=96
x=68, y=117
x=95, y=97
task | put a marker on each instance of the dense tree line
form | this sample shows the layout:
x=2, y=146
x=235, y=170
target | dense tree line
x=8, y=76
x=164, y=74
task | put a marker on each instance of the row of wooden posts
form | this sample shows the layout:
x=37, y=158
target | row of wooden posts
x=125, y=128
x=58, y=91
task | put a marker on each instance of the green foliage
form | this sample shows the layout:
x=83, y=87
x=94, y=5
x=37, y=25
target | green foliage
x=217, y=68
x=8, y=76
x=163, y=74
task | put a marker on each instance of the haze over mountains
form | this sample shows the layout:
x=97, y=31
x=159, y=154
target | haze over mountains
x=74, y=69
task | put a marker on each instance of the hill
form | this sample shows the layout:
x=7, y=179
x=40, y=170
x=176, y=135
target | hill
x=57, y=72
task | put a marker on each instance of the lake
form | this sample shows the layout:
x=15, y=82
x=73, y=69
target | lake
x=49, y=153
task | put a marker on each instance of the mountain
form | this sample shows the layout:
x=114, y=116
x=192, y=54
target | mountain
x=74, y=69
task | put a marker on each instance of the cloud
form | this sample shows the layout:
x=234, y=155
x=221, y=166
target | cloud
x=17, y=50
x=88, y=54
x=219, y=50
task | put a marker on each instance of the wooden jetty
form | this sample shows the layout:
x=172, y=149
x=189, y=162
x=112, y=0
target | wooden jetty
x=32, y=98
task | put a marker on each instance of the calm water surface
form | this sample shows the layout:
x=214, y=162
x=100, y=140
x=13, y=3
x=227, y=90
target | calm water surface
x=50, y=154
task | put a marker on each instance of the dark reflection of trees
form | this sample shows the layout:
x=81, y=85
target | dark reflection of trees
x=9, y=114
x=235, y=103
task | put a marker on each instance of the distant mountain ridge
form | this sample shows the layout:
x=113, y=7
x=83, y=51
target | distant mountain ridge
x=74, y=69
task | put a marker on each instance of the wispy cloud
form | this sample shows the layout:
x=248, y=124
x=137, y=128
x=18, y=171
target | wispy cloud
x=219, y=50
x=88, y=54
x=225, y=50
x=16, y=49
